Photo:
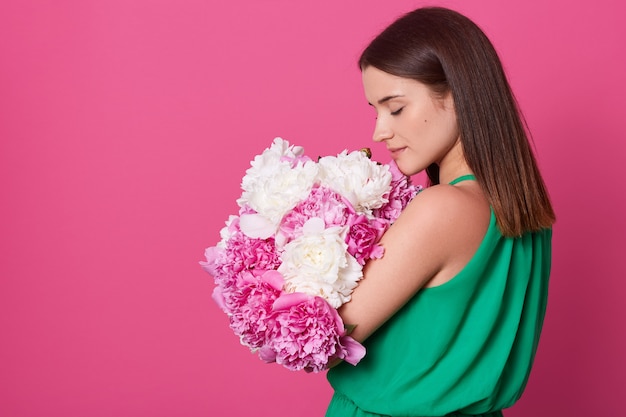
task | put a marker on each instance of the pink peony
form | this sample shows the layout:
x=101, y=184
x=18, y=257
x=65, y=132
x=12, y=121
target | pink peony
x=308, y=334
x=401, y=194
x=363, y=237
x=238, y=252
x=250, y=306
x=322, y=202
x=244, y=253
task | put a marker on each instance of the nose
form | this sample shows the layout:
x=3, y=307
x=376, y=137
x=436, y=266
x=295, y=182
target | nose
x=382, y=131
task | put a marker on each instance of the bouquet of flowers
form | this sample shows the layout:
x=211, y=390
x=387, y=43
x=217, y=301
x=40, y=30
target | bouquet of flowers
x=295, y=251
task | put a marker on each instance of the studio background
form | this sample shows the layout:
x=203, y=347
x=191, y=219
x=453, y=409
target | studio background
x=125, y=129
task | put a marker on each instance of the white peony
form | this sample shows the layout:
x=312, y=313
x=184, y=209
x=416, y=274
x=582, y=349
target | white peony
x=277, y=180
x=363, y=182
x=279, y=151
x=317, y=263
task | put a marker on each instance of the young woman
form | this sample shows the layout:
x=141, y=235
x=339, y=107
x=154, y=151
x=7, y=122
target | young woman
x=451, y=315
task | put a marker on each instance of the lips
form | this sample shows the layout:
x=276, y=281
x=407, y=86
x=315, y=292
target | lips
x=395, y=151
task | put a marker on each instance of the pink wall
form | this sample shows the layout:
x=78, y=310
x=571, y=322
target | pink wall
x=126, y=126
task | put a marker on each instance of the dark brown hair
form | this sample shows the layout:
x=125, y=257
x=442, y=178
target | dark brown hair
x=448, y=52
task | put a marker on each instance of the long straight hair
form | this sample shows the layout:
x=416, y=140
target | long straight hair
x=449, y=53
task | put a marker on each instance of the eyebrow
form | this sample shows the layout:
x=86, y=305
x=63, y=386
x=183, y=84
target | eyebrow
x=387, y=98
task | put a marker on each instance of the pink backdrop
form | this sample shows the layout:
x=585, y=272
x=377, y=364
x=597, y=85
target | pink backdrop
x=126, y=126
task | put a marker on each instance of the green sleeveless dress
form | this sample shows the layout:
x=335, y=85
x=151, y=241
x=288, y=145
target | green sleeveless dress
x=462, y=348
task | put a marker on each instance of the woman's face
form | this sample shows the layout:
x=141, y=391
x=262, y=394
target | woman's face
x=417, y=128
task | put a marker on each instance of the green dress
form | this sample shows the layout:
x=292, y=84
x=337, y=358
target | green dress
x=462, y=348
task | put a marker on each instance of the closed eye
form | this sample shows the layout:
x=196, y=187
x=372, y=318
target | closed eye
x=397, y=112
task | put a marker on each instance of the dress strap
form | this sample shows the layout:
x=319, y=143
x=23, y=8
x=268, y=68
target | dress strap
x=463, y=178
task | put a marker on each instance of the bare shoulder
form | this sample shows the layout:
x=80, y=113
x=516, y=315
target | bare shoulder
x=454, y=220
x=444, y=203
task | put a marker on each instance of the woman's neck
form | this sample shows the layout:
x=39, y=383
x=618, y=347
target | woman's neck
x=453, y=164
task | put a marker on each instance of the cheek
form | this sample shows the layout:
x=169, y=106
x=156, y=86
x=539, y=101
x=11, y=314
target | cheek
x=416, y=128
x=442, y=128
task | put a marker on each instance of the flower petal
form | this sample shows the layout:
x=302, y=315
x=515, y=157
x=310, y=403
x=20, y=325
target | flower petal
x=256, y=226
x=218, y=297
x=314, y=225
x=273, y=278
x=354, y=350
x=267, y=354
x=286, y=301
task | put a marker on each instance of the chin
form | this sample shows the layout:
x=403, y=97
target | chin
x=407, y=169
